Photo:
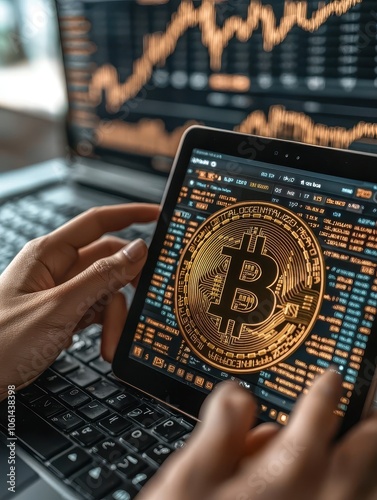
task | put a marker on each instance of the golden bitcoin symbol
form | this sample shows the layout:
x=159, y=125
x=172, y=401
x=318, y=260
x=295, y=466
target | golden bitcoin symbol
x=249, y=286
x=236, y=301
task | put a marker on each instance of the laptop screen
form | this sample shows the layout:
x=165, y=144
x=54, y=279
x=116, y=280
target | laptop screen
x=266, y=274
x=139, y=73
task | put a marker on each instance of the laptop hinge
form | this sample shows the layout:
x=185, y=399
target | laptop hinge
x=122, y=180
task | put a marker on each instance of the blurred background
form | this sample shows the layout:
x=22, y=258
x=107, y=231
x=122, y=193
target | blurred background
x=32, y=92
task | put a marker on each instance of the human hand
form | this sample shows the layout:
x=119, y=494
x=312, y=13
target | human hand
x=225, y=460
x=63, y=282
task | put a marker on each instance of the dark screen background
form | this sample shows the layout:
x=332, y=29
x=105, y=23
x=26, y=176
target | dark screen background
x=276, y=79
x=341, y=214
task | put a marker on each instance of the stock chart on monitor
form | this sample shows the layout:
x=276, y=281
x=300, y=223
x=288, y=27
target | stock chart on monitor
x=140, y=72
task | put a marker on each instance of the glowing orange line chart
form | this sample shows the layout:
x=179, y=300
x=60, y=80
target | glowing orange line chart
x=304, y=129
x=158, y=46
x=151, y=136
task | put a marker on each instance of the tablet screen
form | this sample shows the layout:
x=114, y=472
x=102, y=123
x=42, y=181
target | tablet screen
x=266, y=275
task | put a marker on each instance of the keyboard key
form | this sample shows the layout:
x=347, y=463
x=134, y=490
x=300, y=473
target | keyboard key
x=121, y=401
x=78, y=344
x=31, y=393
x=181, y=443
x=52, y=382
x=138, y=439
x=74, y=397
x=145, y=415
x=93, y=410
x=39, y=436
x=130, y=465
x=142, y=477
x=102, y=389
x=67, y=421
x=93, y=331
x=87, y=436
x=124, y=492
x=98, y=480
x=158, y=454
x=109, y=450
x=101, y=365
x=83, y=376
x=47, y=406
x=114, y=424
x=70, y=462
x=115, y=380
x=88, y=354
x=170, y=429
x=65, y=364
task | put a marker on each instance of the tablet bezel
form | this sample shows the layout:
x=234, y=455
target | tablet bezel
x=340, y=163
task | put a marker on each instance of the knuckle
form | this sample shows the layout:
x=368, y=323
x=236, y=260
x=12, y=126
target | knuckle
x=37, y=247
x=94, y=216
x=93, y=211
x=104, y=269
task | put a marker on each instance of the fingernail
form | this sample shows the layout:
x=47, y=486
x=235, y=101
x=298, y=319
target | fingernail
x=135, y=250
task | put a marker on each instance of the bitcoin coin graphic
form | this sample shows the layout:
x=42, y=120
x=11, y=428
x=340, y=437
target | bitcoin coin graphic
x=249, y=286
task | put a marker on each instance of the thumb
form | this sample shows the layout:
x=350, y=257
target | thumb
x=101, y=280
x=218, y=443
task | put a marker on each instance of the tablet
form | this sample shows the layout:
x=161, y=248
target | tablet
x=262, y=269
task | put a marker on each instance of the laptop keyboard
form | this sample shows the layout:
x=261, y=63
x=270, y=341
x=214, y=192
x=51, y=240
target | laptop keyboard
x=103, y=440
x=32, y=216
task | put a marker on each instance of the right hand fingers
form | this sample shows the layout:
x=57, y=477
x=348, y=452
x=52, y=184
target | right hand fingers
x=293, y=464
x=213, y=451
x=313, y=422
x=219, y=441
x=352, y=472
x=259, y=437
